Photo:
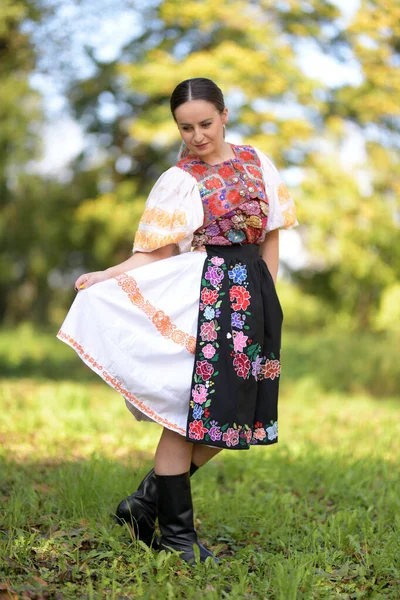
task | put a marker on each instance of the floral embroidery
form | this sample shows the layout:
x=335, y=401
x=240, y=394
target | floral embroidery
x=212, y=230
x=164, y=219
x=237, y=320
x=239, y=221
x=231, y=437
x=273, y=431
x=254, y=221
x=215, y=275
x=213, y=183
x=226, y=171
x=242, y=365
x=256, y=367
x=204, y=369
x=259, y=434
x=196, y=430
x=236, y=237
x=159, y=319
x=242, y=297
x=209, y=351
x=239, y=341
x=231, y=193
x=209, y=312
x=215, y=432
x=238, y=274
x=197, y=412
x=270, y=369
x=147, y=240
x=246, y=354
x=199, y=393
x=209, y=296
x=289, y=216
x=208, y=332
x=283, y=194
x=217, y=260
x=247, y=360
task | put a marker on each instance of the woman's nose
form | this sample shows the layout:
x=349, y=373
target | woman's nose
x=197, y=137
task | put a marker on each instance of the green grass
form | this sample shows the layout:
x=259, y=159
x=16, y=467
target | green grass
x=315, y=516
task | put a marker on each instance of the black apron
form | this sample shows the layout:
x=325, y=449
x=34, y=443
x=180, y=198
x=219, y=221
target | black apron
x=234, y=393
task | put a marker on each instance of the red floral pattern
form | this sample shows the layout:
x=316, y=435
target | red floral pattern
x=242, y=365
x=270, y=369
x=204, y=369
x=207, y=332
x=196, y=430
x=213, y=183
x=209, y=296
x=242, y=297
x=225, y=189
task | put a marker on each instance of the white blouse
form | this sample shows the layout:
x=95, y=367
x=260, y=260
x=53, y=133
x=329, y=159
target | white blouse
x=174, y=209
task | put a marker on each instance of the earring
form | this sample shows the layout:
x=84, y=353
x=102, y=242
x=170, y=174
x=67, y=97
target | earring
x=224, y=128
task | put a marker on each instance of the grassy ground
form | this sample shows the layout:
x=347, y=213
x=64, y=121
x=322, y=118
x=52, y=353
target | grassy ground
x=316, y=516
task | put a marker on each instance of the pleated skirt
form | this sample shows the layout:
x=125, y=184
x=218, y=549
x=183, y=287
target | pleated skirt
x=191, y=342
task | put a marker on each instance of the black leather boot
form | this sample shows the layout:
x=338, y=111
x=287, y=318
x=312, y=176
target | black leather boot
x=139, y=510
x=175, y=517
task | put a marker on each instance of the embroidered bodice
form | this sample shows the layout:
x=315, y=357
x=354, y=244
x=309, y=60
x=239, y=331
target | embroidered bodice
x=235, y=202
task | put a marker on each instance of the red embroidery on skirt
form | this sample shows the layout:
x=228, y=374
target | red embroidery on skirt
x=160, y=320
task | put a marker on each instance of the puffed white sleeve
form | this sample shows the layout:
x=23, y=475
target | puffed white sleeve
x=282, y=211
x=172, y=213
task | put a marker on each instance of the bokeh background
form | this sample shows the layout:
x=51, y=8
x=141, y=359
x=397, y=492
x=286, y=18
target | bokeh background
x=85, y=130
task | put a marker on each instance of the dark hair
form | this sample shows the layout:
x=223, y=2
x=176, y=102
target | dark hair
x=197, y=88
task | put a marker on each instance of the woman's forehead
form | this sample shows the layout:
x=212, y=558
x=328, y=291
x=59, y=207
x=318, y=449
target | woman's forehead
x=194, y=111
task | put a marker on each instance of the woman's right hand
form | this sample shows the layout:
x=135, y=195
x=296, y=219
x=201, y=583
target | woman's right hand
x=88, y=279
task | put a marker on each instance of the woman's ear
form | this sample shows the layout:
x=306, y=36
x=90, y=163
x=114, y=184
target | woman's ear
x=224, y=116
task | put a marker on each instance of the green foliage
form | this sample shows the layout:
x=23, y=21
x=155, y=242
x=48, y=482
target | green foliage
x=388, y=317
x=348, y=213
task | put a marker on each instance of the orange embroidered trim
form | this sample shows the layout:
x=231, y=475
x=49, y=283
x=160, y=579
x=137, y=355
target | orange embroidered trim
x=116, y=384
x=147, y=240
x=158, y=317
x=162, y=218
x=289, y=215
x=283, y=194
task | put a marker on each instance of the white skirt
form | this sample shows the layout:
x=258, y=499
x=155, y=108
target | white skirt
x=138, y=332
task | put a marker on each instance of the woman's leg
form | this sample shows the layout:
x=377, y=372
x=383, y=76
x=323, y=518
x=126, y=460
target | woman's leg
x=173, y=454
x=174, y=498
x=202, y=454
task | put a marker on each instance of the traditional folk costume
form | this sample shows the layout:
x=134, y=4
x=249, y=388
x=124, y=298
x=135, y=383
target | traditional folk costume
x=193, y=341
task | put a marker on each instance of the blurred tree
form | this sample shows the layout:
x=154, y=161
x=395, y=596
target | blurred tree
x=351, y=214
x=20, y=113
x=348, y=212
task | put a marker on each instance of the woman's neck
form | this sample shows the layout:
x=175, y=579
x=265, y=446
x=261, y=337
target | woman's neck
x=224, y=153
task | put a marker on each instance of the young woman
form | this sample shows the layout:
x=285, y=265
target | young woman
x=188, y=329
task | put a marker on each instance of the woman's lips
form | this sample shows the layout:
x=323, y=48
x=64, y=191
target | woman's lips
x=202, y=146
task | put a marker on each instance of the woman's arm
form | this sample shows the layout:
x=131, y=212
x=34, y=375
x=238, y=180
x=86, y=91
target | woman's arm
x=270, y=252
x=139, y=259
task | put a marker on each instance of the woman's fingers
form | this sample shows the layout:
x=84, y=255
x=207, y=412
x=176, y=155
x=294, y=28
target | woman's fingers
x=82, y=281
x=88, y=279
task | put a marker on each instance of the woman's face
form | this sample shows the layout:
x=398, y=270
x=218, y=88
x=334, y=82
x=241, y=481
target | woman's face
x=201, y=127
